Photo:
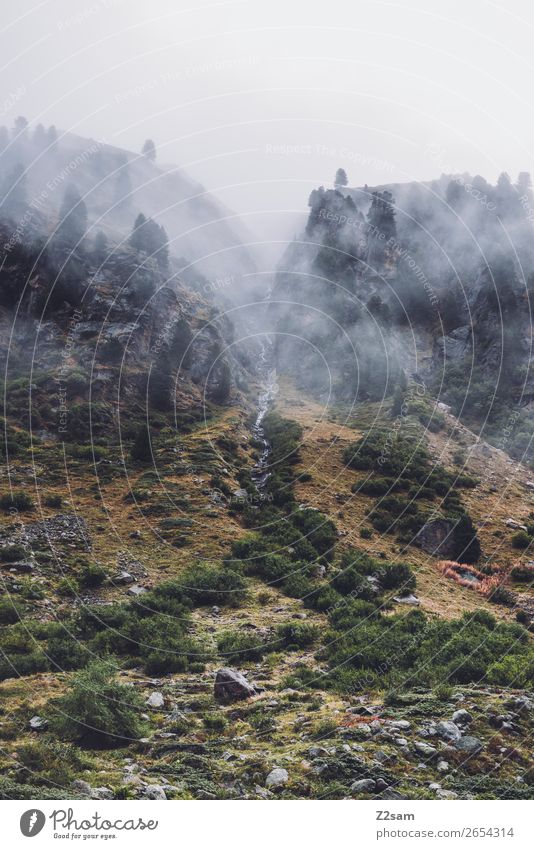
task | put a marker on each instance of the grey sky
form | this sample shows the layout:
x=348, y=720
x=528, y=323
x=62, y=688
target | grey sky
x=262, y=101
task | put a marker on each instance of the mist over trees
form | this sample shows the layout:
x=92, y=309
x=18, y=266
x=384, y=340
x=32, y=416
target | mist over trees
x=151, y=238
x=72, y=224
x=13, y=191
x=149, y=150
x=450, y=262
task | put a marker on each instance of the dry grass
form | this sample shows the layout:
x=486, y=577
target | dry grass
x=330, y=490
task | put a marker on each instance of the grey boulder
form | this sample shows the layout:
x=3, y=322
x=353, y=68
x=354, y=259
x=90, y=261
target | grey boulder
x=469, y=745
x=155, y=700
x=154, y=791
x=364, y=785
x=462, y=717
x=232, y=686
x=277, y=777
x=425, y=749
x=37, y=723
x=449, y=731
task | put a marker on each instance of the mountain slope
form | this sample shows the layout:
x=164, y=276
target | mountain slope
x=116, y=186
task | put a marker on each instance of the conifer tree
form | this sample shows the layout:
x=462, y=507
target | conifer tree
x=142, y=449
x=341, y=179
x=72, y=218
x=149, y=150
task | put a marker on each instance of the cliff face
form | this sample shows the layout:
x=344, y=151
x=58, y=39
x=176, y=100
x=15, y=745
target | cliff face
x=105, y=338
x=430, y=280
x=337, y=303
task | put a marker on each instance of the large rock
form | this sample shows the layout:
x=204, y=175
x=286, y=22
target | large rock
x=23, y=567
x=455, y=345
x=85, y=789
x=516, y=526
x=277, y=777
x=37, y=723
x=521, y=704
x=231, y=686
x=154, y=791
x=123, y=578
x=407, y=599
x=364, y=785
x=137, y=590
x=437, y=537
x=155, y=700
x=101, y=793
x=449, y=731
x=462, y=717
x=425, y=749
x=469, y=745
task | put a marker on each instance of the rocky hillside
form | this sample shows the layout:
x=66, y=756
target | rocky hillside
x=38, y=166
x=430, y=281
x=205, y=596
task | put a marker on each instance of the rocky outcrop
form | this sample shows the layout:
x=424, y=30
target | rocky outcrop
x=436, y=537
x=62, y=529
x=277, y=778
x=231, y=686
x=455, y=345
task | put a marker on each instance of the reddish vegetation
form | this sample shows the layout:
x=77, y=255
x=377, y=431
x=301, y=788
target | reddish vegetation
x=350, y=721
x=526, y=567
x=485, y=584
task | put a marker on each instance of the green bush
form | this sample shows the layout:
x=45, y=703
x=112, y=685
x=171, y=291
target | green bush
x=22, y=664
x=466, y=543
x=48, y=761
x=523, y=618
x=344, y=616
x=273, y=568
x=466, y=670
x=351, y=681
x=522, y=573
x=205, y=583
x=92, y=575
x=317, y=529
x=8, y=612
x=395, y=576
x=65, y=652
x=54, y=501
x=512, y=671
x=297, y=634
x=17, y=501
x=169, y=597
x=466, y=482
x=98, y=709
x=237, y=647
x=500, y=595
x=214, y=722
x=323, y=598
x=10, y=789
x=165, y=646
x=377, y=486
x=68, y=587
x=521, y=540
x=299, y=585
x=12, y=553
x=354, y=582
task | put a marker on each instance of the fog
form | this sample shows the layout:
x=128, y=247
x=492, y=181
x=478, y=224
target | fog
x=262, y=103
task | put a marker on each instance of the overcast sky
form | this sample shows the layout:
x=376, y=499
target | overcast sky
x=262, y=101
